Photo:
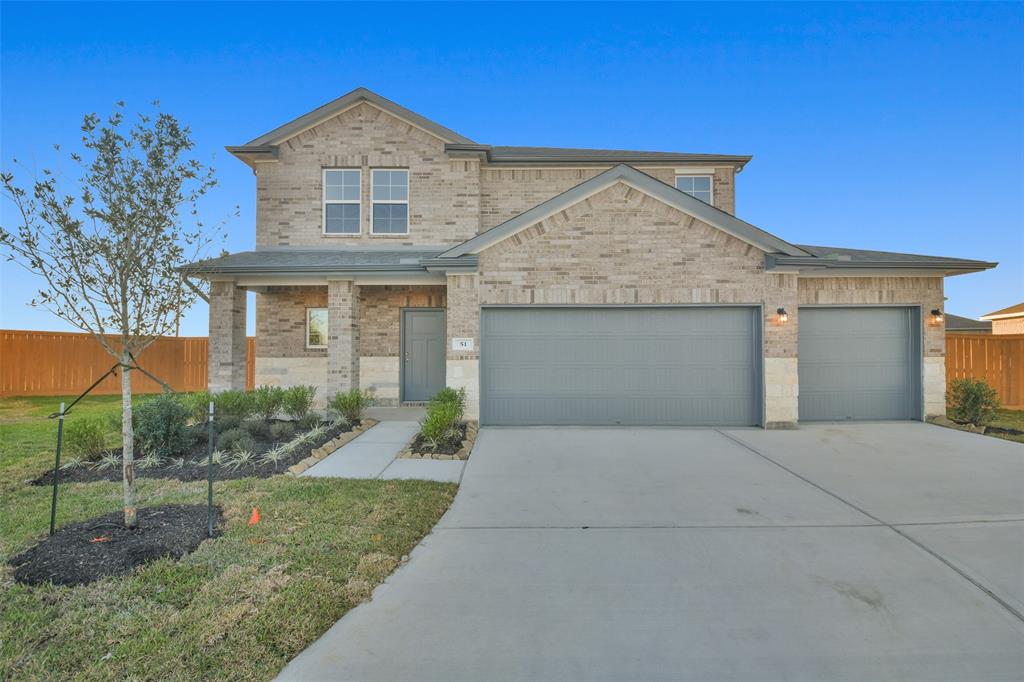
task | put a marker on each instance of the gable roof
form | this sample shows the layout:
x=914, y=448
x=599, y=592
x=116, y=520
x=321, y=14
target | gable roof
x=335, y=107
x=648, y=185
x=956, y=323
x=1005, y=313
x=264, y=147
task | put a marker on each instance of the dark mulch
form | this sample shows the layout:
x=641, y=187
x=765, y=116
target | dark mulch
x=84, y=552
x=447, y=449
x=1000, y=429
x=193, y=468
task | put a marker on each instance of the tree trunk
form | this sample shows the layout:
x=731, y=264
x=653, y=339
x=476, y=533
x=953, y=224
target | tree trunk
x=128, y=443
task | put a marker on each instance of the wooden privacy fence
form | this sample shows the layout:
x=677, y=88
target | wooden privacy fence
x=60, y=363
x=996, y=358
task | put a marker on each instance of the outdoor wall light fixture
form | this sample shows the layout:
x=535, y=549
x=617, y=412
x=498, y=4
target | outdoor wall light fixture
x=936, y=316
x=783, y=315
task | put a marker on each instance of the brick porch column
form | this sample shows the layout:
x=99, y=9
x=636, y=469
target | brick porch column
x=227, y=345
x=342, y=337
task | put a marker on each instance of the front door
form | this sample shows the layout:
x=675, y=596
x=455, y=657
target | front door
x=423, y=353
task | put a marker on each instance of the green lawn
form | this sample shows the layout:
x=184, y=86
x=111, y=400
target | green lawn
x=1009, y=419
x=238, y=608
x=1006, y=419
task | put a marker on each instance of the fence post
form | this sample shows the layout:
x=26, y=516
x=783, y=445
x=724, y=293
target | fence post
x=56, y=470
x=209, y=477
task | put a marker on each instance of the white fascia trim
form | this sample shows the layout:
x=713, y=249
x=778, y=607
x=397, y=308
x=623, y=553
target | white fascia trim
x=1006, y=316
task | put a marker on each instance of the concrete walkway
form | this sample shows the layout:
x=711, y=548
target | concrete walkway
x=374, y=454
x=852, y=552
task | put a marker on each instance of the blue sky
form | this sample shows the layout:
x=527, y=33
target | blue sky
x=894, y=127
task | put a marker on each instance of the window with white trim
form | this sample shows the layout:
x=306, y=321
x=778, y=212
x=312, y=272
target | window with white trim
x=316, y=327
x=390, y=198
x=698, y=186
x=342, y=201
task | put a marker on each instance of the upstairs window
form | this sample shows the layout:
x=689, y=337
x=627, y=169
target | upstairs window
x=698, y=186
x=341, y=201
x=390, y=199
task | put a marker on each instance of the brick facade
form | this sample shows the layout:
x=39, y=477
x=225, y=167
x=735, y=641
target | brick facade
x=450, y=199
x=507, y=192
x=619, y=246
x=380, y=315
x=623, y=247
x=443, y=193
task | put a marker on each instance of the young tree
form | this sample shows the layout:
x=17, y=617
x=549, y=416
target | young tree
x=112, y=245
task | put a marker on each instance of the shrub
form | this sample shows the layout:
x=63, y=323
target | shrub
x=268, y=401
x=440, y=427
x=973, y=401
x=236, y=440
x=310, y=420
x=198, y=405
x=85, y=437
x=239, y=404
x=351, y=404
x=298, y=401
x=257, y=428
x=162, y=428
x=450, y=395
x=226, y=423
x=281, y=431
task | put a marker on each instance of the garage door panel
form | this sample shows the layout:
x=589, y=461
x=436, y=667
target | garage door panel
x=696, y=366
x=858, y=363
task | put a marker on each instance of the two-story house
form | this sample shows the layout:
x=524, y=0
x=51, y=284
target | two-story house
x=558, y=286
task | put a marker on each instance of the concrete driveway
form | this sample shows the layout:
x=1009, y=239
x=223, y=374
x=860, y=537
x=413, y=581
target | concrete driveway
x=835, y=552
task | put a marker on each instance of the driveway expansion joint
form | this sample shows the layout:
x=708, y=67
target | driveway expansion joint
x=1010, y=608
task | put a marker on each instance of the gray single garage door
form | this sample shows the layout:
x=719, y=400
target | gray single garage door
x=620, y=365
x=859, y=363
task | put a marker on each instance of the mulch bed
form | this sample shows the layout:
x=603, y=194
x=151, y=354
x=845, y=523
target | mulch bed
x=193, y=467
x=84, y=552
x=1000, y=429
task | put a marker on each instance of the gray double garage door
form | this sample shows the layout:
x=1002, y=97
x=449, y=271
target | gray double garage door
x=687, y=366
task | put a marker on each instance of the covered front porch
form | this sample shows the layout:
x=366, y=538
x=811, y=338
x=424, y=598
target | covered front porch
x=388, y=331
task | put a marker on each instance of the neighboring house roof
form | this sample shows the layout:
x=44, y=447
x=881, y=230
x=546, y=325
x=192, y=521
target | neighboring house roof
x=645, y=183
x=562, y=155
x=834, y=257
x=265, y=147
x=352, y=260
x=1005, y=313
x=956, y=323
